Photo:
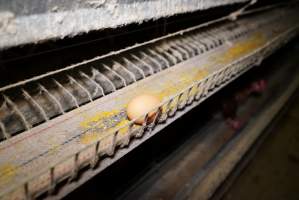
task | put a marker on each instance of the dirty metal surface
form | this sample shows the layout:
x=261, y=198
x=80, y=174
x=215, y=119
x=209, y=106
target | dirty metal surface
x=28, y=21
x=37, y=100
x=182, y=172
x=41, y=157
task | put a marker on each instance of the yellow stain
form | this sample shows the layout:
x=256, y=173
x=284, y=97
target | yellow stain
x=186, y=80
x=7, y=172
x=96, y=119
x=123, y=130
x=97, y=127
x=54, y=148
x=200, y=75
x=242, y=48
x=89, y=138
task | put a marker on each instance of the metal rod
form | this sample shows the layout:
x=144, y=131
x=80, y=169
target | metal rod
x=27, y=192
x=52, y=185
x=80, y=86
x=180, y=48
x=143, y=126
x=4, y=132
x=175, y=52
x=16, y=109
x=144, y=63
x=153, y=60
x=116, y=74
x=43, y=89
x=131, y=74
x=113, y=145
x=95, y=158
x=75, y=169
x=170, y=56
x=41, y=110
x=67, y=91
x=97, y=85
x=134, y=66
x=97, y=72
x=159, y=56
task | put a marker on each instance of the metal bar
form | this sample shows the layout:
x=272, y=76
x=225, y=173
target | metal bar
x=131, y=74
x=94, y=161
x=43, y=89
x=160, y=56
x=143, y=126
x=152, y=59
x=97, y=85
x=129, y=133
x=116, y=74
x=27, y=192
x=175, y=51
x=144, y=63
x=197, y=45
x=97, y=72
x=134, y=66
x=66, y=91
x=16, y=109
x=170, y=56
x=52, y=185
x=190, y=45
x=113, y=144
x=181, y=48
x=196, y=39
x=3, y=130
x=80, y=86
x=41, y=110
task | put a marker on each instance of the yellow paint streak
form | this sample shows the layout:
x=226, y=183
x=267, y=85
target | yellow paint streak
x=7, y=172
x=95, y=124
x=88, y=138
x=96, y=119
x=93, y=136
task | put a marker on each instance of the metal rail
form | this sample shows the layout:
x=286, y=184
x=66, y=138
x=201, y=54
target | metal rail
x=100, y=78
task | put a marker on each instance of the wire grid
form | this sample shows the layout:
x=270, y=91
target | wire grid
x=194, y=94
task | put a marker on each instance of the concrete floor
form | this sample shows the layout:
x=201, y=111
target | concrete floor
x=274, y=171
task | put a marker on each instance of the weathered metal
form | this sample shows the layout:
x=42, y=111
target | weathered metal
x=36, y=160
x=33, y=21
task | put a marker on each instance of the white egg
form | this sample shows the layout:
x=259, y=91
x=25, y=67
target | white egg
x=142, y=105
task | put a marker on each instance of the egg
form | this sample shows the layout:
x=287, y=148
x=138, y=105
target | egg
x=141, y=105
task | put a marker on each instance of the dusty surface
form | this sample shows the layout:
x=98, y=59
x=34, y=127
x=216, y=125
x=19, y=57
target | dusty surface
x=34, y=22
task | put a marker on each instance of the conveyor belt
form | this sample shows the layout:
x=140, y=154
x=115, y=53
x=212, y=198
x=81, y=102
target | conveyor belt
x=35, y=161
x=39, y=99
